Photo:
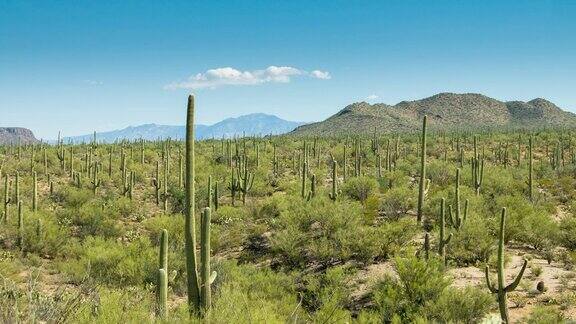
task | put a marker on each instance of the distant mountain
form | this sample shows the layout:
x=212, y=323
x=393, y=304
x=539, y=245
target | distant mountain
x=252, y=124
x=15, y=135
x=446, y=111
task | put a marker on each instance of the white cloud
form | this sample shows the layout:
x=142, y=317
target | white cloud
x=372, y=97
x=320, y=75
x=93, y=82
x=225, y=76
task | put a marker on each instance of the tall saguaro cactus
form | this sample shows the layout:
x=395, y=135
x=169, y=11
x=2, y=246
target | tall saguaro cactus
x=458, y=218
x=190, y=221
x=335, y=193
x=198, y=287
x=34, y=191
x=7, y=198
x=422, y=171
x=162, y=292
x=442, y=242
x=20, y=241
x=206, y=276
x=530, y=168
x=502, y=290
x=477, y=168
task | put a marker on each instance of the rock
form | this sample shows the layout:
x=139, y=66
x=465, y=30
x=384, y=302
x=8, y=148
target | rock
x=15, y=135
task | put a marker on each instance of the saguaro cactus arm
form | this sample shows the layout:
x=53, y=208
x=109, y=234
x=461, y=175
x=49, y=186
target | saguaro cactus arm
x=511, y=287
x=488, y=283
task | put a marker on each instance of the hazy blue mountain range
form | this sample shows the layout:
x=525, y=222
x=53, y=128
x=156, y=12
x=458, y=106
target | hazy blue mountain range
x=252, y=124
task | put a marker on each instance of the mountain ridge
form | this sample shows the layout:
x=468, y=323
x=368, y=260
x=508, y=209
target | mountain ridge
x=250, y=124
x=16, y=135
x=446, y=111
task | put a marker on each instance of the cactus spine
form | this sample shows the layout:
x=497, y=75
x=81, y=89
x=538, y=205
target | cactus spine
x=502, y=290
x=422, y=172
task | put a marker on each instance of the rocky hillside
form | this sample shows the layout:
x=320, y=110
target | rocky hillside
x=15, y=135
x=446, y=111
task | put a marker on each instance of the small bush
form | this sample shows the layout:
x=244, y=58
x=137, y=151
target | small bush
x=467, y=305
x=359, y=188
x=418, y=284
x=545, y=315
x=397, y=202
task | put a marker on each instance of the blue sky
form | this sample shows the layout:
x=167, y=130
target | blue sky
x=79, y=66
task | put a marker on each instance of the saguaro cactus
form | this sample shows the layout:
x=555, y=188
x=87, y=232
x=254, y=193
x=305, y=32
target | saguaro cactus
x=477, y=168
x=422, y=171
x=245, y=179
x=303, y=192
x=157, y=183
x=20, y=240
x=215, y=197
x=442, y=242
x=530, y=168
x=335, y=192
x=234, y=187
x=209, y=200
x=189, y=226
x=95, y=179
x=198, y=287
x=162, y=303
x=206, y=276
x=7, y=198
x=502, y=290
x=312, y=191
x=162, y=306
x=34, y=191
x=458, y=219
x=427, y=246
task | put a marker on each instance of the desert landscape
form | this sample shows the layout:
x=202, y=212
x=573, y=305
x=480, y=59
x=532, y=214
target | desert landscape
x=287, y=162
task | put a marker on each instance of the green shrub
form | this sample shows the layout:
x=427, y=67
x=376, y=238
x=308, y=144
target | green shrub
x=419, y=284
x=567, y=235
x=323, y=231
x=113, y=263
x=397, y=201
x=467, y=305
x=545, y=315
x=472, y=244
x=326, y=295
x=359, y=188
x=528, y=223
